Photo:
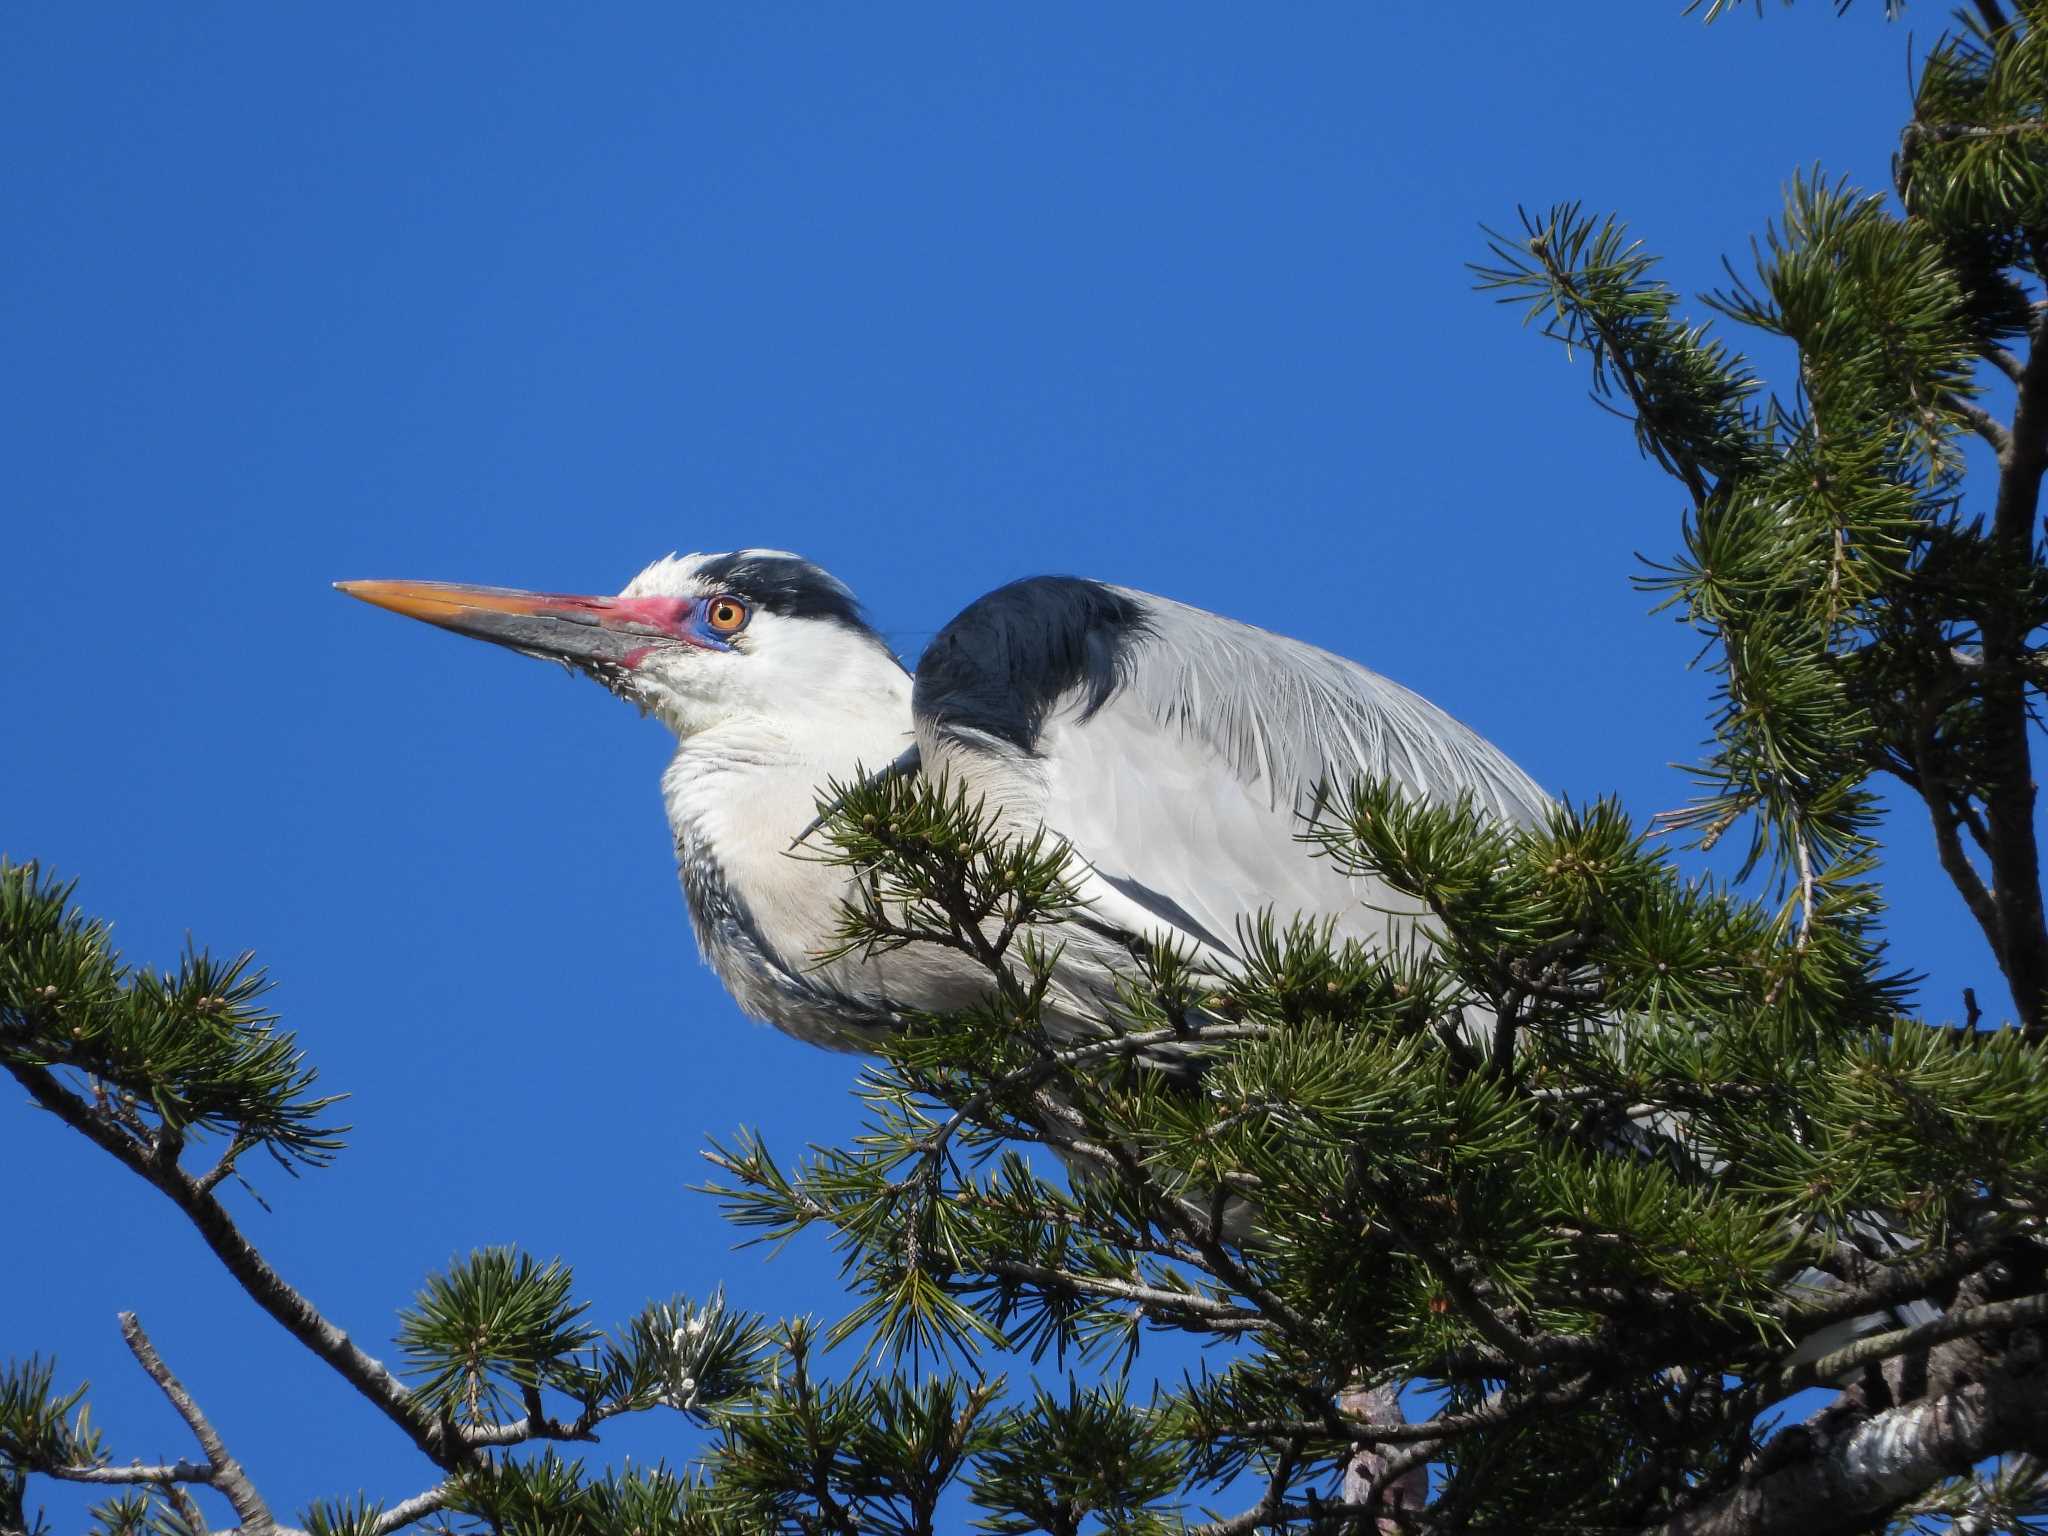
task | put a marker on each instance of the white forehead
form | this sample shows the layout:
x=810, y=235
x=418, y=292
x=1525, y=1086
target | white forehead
x=676, y=575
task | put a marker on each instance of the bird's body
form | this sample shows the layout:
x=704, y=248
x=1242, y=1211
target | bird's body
x=1175, y=752
x=1170, y=748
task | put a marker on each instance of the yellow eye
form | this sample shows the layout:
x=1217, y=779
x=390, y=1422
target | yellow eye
x=725, y=615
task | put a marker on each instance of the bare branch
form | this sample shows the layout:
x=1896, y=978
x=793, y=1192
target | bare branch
x=227, y=1474
x=164, y=1474
x=1203, y=1308
x=1982, y=422
x=1955, y=862
x=1999, y=358
x=268, y=1289
x=418, y=1507
x=521, y=1431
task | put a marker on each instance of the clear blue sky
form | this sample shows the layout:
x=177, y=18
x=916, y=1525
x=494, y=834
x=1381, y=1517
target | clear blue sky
x=938, y=295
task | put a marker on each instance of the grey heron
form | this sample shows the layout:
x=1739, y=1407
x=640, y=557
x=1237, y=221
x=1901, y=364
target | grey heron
x=1174, y=752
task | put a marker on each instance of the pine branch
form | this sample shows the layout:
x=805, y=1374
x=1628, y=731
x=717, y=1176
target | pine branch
x=1942, y=809
x=1207, y=1240
x=1494, y=1328
x=1875, y=1464
x=251, y=1270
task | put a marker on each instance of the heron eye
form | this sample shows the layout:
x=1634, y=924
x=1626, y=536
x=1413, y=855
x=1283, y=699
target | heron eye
x=726, y=615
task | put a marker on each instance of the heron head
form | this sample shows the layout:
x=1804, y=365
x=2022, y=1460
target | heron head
x=693, y=639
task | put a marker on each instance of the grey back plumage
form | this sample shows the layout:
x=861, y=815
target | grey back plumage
x=1179, y=753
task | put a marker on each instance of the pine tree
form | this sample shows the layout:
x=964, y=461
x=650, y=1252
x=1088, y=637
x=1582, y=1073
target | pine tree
x=1710, y=1234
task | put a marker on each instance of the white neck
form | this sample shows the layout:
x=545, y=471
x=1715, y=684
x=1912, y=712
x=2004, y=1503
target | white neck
x=739, y=793
x=748, y=781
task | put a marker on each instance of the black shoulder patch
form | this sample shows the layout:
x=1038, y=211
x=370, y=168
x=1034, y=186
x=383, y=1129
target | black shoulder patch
x=1001, y=666
x=785, y=584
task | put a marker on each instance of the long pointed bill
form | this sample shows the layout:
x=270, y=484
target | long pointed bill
x=591, y=632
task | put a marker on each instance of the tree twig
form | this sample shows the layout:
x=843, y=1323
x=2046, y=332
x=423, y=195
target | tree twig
x=1205, y=1308
x=1955, y=862
x=226, y=1474
x=418, y=1507
x=1982, y=422
x=268, y=1289
x=2001, y=359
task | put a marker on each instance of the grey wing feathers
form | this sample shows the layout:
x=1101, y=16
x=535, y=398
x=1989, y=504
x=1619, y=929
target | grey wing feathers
x=1285, y=716
x=1177, y=751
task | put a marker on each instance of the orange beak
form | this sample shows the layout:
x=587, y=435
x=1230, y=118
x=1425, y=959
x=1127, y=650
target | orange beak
x=590, y=632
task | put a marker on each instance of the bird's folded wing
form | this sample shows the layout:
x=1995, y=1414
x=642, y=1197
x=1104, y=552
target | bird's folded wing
x=1178, y=753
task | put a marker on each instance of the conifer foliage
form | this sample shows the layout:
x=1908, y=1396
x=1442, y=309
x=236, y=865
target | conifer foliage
x=1582, y=1268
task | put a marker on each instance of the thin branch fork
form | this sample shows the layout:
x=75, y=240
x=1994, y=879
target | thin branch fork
x=268, y=1289
x=220, y=1470
x=1941, y=801
x=1272, y=1509
x=1216, y=1258
x=227, y=1474
x=1207, y=1310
